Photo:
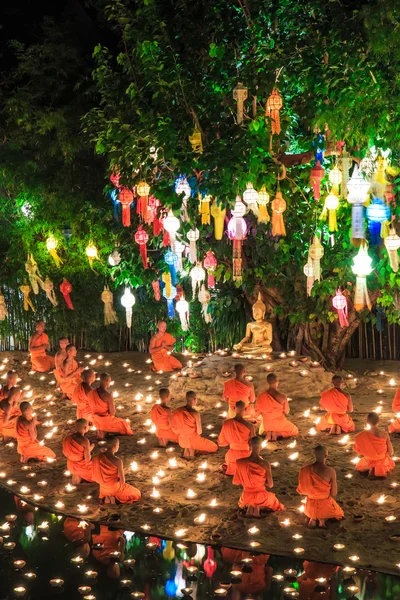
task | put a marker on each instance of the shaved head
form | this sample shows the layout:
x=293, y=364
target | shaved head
x=373, y=418
x=320, y=452
x=337, y=380
x=87, y=374
x=239, y=370
x=272, y=378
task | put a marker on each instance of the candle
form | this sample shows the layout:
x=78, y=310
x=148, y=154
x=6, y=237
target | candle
x=285, y=523
x=253, y=530
x=192, y=569
x=354, y=558
x=56, y=582
x=303, y=373
x=201, y=518
x=91, y=574
x=220, y=592
x=77, y=560
x=180, y=532
x=19, y=591
x=213, y=502
x=157, y=510
x=294, y=456
x=339, y=546
x=30, y=575
x=353, y=589
x=298, y=550
x=254, y=544
x=137, y=595
x=186, y=591
x=312, y=431
x=9, y=545
x=19, y=564
x=84, y=589
x=297, y=536
x=392, y=382
x=126, y=583
x=390, y=518
x=277, y=577
x=190, y=494
x=381, y=499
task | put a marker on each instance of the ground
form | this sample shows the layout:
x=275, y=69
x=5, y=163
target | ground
x=369, y=539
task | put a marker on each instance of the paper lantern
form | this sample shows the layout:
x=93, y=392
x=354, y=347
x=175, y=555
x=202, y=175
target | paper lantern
x=357, y=194
x=3, y=307
x=196, y=141
x=114, y=258
x=204, y=209
x=128, y=300
x=26, y=290
x=316, y=252
x=361, y=268
x=67, y=234
x=273, y=106
x=142, y=238
x=32, y=269
x=316, y=176
x=204, y=298
x=182, y=307
x=51, y=244
x=171, y=225
x=239, y=210
x=335, y=177
x=169, y=293
x=179, y=250
x=339, y=302
x=344, y=163
x=182, y=187
x=91, y=253
x=278, y=206
x=125, y=197
x=392, y=244
x=48, y=288
x=110, y=316
x=193, y=236
x=114, y=178
x=171, y=259
x=153, y=205
x=142, y=190
x=237, y=229
x=250, y=197
x=66, y=289
x=331, y=204
x=262, y=201
x=377, y=213
x=240, y=95
x=197, y=275
x=156, y=290
x=218, y=212
x=210, y=263
x=308, y=271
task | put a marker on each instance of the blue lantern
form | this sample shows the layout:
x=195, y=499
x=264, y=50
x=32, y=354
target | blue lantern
x=171, y=259
x=117, y=211
x=377, y=213
x=170, y=301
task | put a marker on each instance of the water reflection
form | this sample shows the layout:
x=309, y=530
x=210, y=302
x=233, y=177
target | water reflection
x=48, y=556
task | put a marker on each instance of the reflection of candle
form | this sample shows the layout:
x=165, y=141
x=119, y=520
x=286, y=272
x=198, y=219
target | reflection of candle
x=56, y=582
x=19, y=591
x=220, y=592
x=19, y=564
x=31, y=576
x=298, y=550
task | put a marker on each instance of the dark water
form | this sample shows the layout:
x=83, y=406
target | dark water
x=158, y=568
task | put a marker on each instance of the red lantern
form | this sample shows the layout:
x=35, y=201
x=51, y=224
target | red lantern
x=142, y=238
x=142, y=190
x=153, y=206
x=316, y=176
x=340, y=303
x=114, y=178
x=66, y=289
x=210, y=262
x=156, y=290
x=274, y=105
x=126, y=199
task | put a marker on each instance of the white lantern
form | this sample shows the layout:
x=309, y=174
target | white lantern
x=361, y=268
x=182, y=306
x=357, y=187
x=179, y=250
x=128, y=300
x=197, y=275
x=171, y=225
x=392, y=244
x=115, y=258
x=335, y=176
x=250, y=196
x=308, y=271
x=331, y=202
x=193, y=236
x=239, y=209
x=204, y=298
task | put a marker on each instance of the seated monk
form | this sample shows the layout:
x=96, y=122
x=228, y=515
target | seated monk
x=160, y=348
x=376, y=448
x=105, y=544
x=239, y=389
x=10, y=411
x=254, y=473
x=80, y=395
x=236, y=433
x=337, y=404
x=161, y=415
x=394, y=427
x=101, y=406
x=108, y=472
x=318, y=482
x=71, y=372
x=77, y=449
x=59, y=358
x=273, y=406
x=186, y=423
x=38, y=344
x=28, y=445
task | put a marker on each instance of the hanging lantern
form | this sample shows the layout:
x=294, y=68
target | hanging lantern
x=357, y=194
x=142, y=238
x=250, y=197
x=182, y=188
x=110, y=316
x=197, y=275
x=331, y=204
x=377, y=213
x=339, y=302
x=316, y=252
x=32, y=269
x=171, y=259
x=171, y=225
x=362, y=268
x=125, y=197
x=116, y=205
x=237, y=229
x=52, y=244
x=48, y=288
x=210, y=263
x=193, y=236
x=308, y=271
x=196, y=141
x=205, y=209
x=179, y=250
x=392, y=244
x=344, y=163
x=166, y=279
x=335, y=177
x=3, y=308
x=274, y=105
x=316, y=176
x=128, y=300
x=262, y=201
x=156, y=290
x=380, y=182
x=182, y=306
x=142, y=190
x=240, y=95
x=66, y=289
x=278, y=206
x=114, y=178
x=114, y=258
x=152, y=214
x=204, y=298
x=91, y=253
x=218, y=213
x=26, y=290
x=67, y=234
x=169, y=293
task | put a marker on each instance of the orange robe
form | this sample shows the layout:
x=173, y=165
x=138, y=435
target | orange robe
x=75, y=455
x=335, y=403
x=109, y=540
x=75, y=532
x=320, y=504
x=184, y=423
x=375, y=454
x=105, y=473
x=68, y=385
x=41, y=362
x=26, y=447
x=79, y=397
x=307, y=581
x=395, y=426
x=103, y=420
x=234, y=391
x=235, y=435
x=260, y=577
x=162, y=417
x=9, y=429
x=252, y=477
x=273, y=417
x=161, y=359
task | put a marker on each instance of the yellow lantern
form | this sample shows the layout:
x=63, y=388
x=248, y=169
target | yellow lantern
x=332, y=203
x=218, y=212
x=262, y=201
x=142, y=190
x=335, y=177
x=196, y=141
x=92, y=254
x=204, y=209
x=52, y=244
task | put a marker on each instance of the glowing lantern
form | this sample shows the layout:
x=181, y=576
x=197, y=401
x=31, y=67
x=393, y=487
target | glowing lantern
x=171, y=259
x=316, y=176
x=339, y=302
x=377, y=213
x=196, y=141
x=344, y=164
x=182, y=306
x=204, y=209
x=274, y=105
x=142, y=238
x=152, y=208
x=91, y=253
x=358, y=190
x=237, y=229
x=32, y=269
x=110, y=316
x=171, y=225
x=179, y=250
x=335, y=177
x=316, y=252
x=331, y=204
x=142, y=190
x=197, y=275
x=392, y=244
x=250, y=197
x=114, y=258
x=26, y=290
x=278, y=206
x=125, y=197
x=166, y=279
x=182, y=187
x=210, y=263
x=262, y=201
x=204, y=298
x=308, y=271
x=240, y=95
x=114, y=178
x=48, y=288
x=362, y=268
x=218, y=213
x=128, y=300
x=66, y=289
x=51, y=245
x=193, y=236
x=156, y=289
x=169, y=293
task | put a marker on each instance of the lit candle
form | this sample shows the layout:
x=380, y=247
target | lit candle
x=213, y=502
x=298, y=550
x=91, y=574
x=30, y=576
x=390, y=518
x=19, y=564
x=56, y=582
x=354, y=558
x=339, y=546
x=19, y=591
x=253, y=530
x=84, y=589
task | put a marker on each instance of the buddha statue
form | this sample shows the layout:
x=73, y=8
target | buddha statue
x=258, y=336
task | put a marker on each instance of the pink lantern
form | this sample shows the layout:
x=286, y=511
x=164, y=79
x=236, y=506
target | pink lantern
x=237, y=229
x=114, y=178
x=142, y=238
x=316, y=176
x=126, y=199
x=339, y=302
x=210, y=262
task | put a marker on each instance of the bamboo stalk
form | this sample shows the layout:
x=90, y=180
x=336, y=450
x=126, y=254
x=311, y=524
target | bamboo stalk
x=390, y=343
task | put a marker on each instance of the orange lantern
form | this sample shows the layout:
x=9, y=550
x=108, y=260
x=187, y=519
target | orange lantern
x=142, y=190
x=274, y=105
x=316, y=176
x=126, y=198
x=142, y=238
x=278, y=206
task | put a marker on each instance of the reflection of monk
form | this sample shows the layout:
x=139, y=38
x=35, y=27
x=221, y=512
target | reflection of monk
x=394, y=427
x=238, y=389
x=254, y=473
x=77, y=449
x=80, y=395
x=186, y=422
x=258, y=336
x=71, y=372
x=9, y=407
x=27, y=442
x=26, y=510
x=337, y=404
x=161, y=345
x=318, y=482
x=376, y=448
x=38, y=344
x=59, y=358
x=236, y=433
x=307, y=581
x=108, y=472
x=105, y=544
x=101, y=405
x=273, y=406
x=79, y=534
x=161, y=415
x=259, y=579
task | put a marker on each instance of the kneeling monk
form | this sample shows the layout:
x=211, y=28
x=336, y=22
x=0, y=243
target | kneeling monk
x=236, y=433
x=80, y=395
x=394, y=427
x=238, y=389
x=38, y=344
x=161, y=415
x=59, y=358
x=318, y=482
x=11, y=382
x=108, y=472
x=254, y=473
x=186, y=422
x=337, y=404
x=376, y=447
x=71, y=372
x=160, y=348
x=273, y=406
x=101, y=405
x=10, y=411
x=77, y=449
x=28, y=445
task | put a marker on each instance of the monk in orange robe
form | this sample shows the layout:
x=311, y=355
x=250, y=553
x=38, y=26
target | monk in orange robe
x=337, y=404
x=394, y=427
x=108, y=472
x=160, y=348
x=28, y=445
x=80, y=395
x=38, y=344
x=273, y=406
x=10, y=411
x=318, y=482
x=186, y=423
x=11, y=382
x=78, y=533
x=71, y=372
x=59, y=358
x=308, y=581
x=254, y=473
x=105, y=544
x=101, y=405
x=77, y=450
x=161, y=415
x=376, y=448
x=236, y=433
x=239, y=389
x=257, y=579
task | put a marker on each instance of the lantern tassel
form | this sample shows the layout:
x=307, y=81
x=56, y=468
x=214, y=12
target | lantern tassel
x=394, y=260
x=278, y=225
x=332, y=222
x=237, y=260
x=361, y=297
x=193, y=252
x=55, y=257
x=357, y=222
x=126, y=215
